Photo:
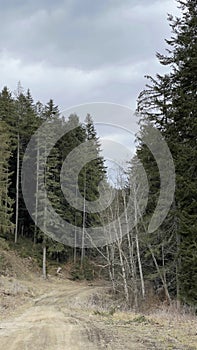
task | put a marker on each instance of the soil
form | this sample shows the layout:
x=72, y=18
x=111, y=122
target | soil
x=60, y=314
x=51, y=322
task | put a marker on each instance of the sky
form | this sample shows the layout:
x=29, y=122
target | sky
x=80, y=52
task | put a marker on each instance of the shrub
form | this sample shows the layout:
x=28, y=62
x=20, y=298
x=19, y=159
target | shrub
x=82, y=272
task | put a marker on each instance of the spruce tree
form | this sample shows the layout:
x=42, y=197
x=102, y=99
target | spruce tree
x=26, y=122
x=169, y=103
x=94, y=172
x=47, y=183
x=6, y=203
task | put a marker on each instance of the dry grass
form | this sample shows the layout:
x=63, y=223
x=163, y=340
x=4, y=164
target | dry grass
x=160, y=327
x=163, y=328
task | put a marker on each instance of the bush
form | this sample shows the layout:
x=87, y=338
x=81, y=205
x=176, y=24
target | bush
x=84, y=272
x=3, y=244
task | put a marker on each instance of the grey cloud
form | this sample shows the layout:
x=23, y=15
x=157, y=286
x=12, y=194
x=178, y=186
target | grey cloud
x=82, y=51
x=86, y=35
x=78, y=51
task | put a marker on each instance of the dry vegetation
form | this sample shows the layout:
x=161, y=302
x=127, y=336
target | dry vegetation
x=88, y=309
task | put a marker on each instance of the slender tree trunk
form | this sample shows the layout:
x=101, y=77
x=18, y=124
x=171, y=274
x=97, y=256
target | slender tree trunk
x=44, y=226
x=119, y=243
x=22, y=230
x=84, y=220
x=124, y=276
x=37, y=191
x=17, y=188
x=178, y=261
x=131, y=257
x=140, y=264
x=75, y=244
x=163, y=264
x=110, y=268
x=156, y=264
x=137, y=241
x=75, y=247
x=44, y=270
x=133, y=270
x=6, y=195
x=160, y=274
x=177, y=274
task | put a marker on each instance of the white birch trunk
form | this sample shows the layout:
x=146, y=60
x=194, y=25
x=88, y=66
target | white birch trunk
x=137, y=241
x=131, y=258
x=110, y=269
x=140, y=265
x=44, y=270
x=119, y=241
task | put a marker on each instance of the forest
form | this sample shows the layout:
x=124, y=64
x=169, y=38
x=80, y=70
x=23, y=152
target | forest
x=137, y=262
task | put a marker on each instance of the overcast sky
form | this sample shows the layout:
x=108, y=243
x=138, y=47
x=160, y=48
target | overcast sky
x=83, y=51
x=78, y=51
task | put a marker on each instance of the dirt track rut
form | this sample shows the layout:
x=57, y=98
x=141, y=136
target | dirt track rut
x=51, y=324
x=62, y=317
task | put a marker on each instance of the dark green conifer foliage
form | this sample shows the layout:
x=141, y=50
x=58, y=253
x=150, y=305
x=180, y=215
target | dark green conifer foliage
x=94, y=172
x=170, y=103
x=6, y=203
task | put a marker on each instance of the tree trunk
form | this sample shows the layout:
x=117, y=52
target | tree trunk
x=177, y=274
x=84, y=219
x=17, y=188
x=131, y=259
x=160, y=275
x=44, y=270
x=137, y=240
x=44, y=226
x=110, y=260
x=37, y=191
x=119, y=241
x=75, y=244
x=140, y=264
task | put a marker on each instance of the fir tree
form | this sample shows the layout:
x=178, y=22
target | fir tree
x=6, y=203
x=169, y=102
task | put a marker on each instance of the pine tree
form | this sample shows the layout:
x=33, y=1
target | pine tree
x=26, y=122
x=6, y=203
x=92, y=174
x=47, y=183
x=169, y=102
x=94, y=171
x=7, y=114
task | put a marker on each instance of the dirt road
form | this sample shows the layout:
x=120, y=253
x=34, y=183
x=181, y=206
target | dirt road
x=60, y=318
x=52, y=324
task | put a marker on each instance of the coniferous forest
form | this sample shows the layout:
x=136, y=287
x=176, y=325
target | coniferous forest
x=137, y=262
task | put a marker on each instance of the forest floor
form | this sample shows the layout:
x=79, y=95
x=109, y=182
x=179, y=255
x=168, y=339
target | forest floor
x=59, y=314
